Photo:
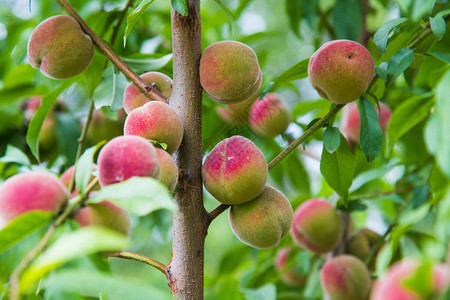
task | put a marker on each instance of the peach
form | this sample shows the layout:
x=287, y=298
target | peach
x=291, y=276
x=59, y=47
x=105, y=214
x=134, y=98
x=103, y=128
x=345, y=277
x=169, y=170
x=391, y=286
x=25, y=192
x=361, y=243
x=68, y=174
x=351, y=123
x=317, y=226
x=262, y=222
x=126, y=156
x=238, y=113
x=229, y=72
x=341, y=71
x=269, y=117
x=235, y=171
x=156, y=121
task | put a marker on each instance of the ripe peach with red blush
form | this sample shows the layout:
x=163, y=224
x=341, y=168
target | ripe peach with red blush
x=156, y=121
x=317, y=226
x=25, y=192
x=341, y=70
x=126, y=156
x=269, y=116
x=235, y=171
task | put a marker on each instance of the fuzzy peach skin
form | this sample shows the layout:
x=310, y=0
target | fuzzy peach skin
x=269, y=117
x=317, y=226
x=351, y=123
x=126, y=156
x=229, y=72
x=133, y=97
x=290, y=276
x=391, y=287
x=103, y=128
x=361, y=244
x=341, y=70
x=25, y=192
x=264, y=221
x=345, y=277
x=235, y=171
x=156, y=121
x=169, y=170
x=59, y=47
x=105, y=214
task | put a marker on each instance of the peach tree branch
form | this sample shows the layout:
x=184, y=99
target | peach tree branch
x=143, y=259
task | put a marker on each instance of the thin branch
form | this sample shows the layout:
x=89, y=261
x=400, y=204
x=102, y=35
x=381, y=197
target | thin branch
x=143, y=259
x=28, y=259
x=216, y=212
x=145, y=88
x=119, y=22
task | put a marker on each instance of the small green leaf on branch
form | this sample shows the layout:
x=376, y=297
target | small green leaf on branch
x=180, y=6
x=133, y=17
x=382, y=35
x=371, y=135
x=331, y=138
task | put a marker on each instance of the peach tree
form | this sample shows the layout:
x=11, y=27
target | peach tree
x=224, y=149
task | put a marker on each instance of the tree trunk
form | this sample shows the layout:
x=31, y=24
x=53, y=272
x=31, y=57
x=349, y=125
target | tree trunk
x=189, y=223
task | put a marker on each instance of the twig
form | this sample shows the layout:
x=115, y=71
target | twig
x=141, y=258
x=216, y=212
x=26, y=261
x=145, y=88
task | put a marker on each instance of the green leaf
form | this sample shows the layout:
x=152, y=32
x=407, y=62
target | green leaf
x=420, y=281
x=95, y=283
x=23, y=226
x=110, y=90
x=337, y=168
x=15, y=155
x=180, y=6
x=297, y=71
x=294, y=12
x=313, y=289
x=438, y=27
x=83, y=170
x=229, y=15
x=445, y=57
x=437, y=129
x=139, y=195
x=266, y=292
x=371, y=135
x=382, y=70
x=331, y=138
x=398, y=63
x=38, y=119
x=407, y=115
x=134, y=17
x=420, y=195
x=72, y=245
x=370, y=175
x=382, y=35
x=347, y=19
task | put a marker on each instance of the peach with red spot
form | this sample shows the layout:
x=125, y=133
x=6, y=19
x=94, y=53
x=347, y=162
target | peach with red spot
x=345, y=277
x=25, y=192
x=134, y=98
x=235, y=171
x=263, y=221
x=156, y=121
x=229, y=72
x=268, y=116
x=126, y=156
x=317, y=226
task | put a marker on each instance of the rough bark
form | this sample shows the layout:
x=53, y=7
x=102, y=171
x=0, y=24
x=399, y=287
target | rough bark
x=186, y=268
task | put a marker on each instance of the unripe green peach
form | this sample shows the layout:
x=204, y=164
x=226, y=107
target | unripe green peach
x=269, y=117
x=126, y=156
x=235, y=171
x=317, y=226
x=351, y=123
x=25, y=192
x=263, y=221
x=134, y=98
x=291, y=276
x=345, y=277
x=341, y=71
x=391, y=285
x=103, y=128
x=105, y=214
x=59, y=47
x=169, y=170
x=362, y=242
x=229, y=72
x=156, y=121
